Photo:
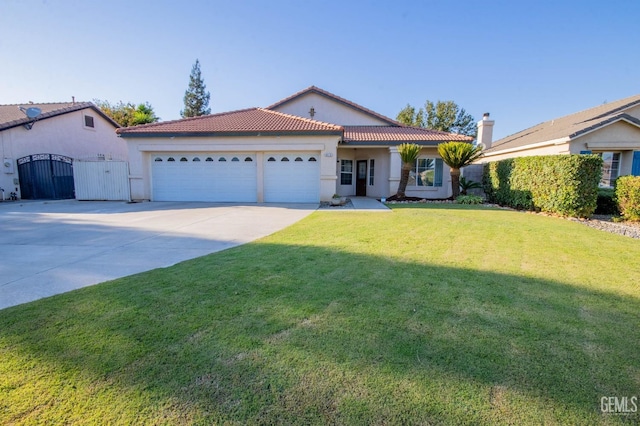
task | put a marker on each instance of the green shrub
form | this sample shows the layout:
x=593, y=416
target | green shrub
x=628, y=196
x=560, y=184
x=606, y=202
x=469, y=199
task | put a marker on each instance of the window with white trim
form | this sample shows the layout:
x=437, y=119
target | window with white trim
x=610, y=168
x=346, y=172
x=371, y=169
x=426, y=172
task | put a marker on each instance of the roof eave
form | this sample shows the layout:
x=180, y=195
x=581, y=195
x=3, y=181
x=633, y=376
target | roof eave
x=56, y=113
x=622, y=117
x=388, y=143
x=229, y=134
x=490, y=152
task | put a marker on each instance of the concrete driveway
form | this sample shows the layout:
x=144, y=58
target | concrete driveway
x=48, y=248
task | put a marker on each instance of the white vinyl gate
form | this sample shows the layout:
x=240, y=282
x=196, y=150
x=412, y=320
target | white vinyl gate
x=101, y=180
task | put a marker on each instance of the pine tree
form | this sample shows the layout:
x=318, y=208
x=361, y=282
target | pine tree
x=196, y=98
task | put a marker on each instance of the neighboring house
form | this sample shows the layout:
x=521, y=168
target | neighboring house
x=304, y=148
x=37, y=153
x=611, y=130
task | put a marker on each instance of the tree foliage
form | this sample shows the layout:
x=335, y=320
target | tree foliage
x=409, y=153
x=409, y=116
x=456, y=155
x=128, y=114
x=445, y=116
x=196, y=98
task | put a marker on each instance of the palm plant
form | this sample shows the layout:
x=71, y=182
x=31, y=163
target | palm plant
x=409, y=153
x=456, y=155
x=466, y=185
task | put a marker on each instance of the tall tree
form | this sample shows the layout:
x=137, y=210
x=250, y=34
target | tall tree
x=409, y=116
x=445, y=116
x=128, y=114
x=196, y=98
x=457, y=155
x=409, y=153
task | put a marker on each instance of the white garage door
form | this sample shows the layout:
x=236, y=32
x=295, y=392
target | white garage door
x=204, y=177
x=292, y=177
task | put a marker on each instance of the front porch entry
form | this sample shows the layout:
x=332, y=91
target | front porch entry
x=361, y=178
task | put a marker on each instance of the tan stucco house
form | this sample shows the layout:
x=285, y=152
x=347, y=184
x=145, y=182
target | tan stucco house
x=611, y=130
x=304, y=148
x=38, y=151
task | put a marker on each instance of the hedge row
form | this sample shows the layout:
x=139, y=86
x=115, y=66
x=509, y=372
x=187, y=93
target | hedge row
x=560, y=184
x=628, y=196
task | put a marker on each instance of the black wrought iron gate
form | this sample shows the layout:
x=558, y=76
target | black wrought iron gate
x=46, y=176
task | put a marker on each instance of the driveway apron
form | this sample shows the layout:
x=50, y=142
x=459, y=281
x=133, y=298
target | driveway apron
x=47, y=248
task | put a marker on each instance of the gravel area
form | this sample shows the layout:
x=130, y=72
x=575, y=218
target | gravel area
x=605, y=223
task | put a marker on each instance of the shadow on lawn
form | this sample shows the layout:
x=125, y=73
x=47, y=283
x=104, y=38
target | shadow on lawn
x=269, y=333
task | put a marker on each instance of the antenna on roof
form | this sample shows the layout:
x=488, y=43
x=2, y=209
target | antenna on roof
x=32, y=114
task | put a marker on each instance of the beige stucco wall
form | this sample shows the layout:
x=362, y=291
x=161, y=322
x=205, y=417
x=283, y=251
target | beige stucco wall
x=618, y=137
x=615, y=137
x=436, y=192
x=328, y=110
x=381, y=170
x=65, y=135
x=142, y=149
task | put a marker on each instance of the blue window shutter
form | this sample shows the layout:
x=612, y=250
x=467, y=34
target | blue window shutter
x=635, y=165
x=585, y=152
x=437, y=179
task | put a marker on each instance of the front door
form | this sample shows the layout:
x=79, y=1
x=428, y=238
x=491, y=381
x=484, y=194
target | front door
x=361, y=178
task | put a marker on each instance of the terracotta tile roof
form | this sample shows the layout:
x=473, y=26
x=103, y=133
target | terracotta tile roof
x=317, y=90
x=570, y=126
x=398, y=134
x=246, y=121
x=12, y=116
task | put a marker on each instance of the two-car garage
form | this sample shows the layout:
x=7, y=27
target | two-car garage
x=247, y=156
x=236, y=177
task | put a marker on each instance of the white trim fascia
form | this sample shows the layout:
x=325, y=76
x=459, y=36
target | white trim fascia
x=613, y=146
x=559, y=141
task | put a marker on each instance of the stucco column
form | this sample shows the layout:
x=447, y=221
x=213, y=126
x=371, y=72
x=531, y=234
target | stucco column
x=395, y=169
x=260, y=177
x=328, y=173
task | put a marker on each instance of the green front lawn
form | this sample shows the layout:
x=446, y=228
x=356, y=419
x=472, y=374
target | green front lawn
x=436, y=314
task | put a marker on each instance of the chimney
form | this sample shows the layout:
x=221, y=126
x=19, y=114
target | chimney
x=485, y=131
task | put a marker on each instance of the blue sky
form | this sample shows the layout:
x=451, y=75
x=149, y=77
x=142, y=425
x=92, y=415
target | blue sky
x=523, y=61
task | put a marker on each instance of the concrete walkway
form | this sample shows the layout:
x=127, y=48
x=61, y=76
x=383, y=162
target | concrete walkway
x=359, y=204
x=368, y=204
x=48, y=248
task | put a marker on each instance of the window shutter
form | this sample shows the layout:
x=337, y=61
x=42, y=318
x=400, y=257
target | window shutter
x=635, y=166
x=437, y=179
